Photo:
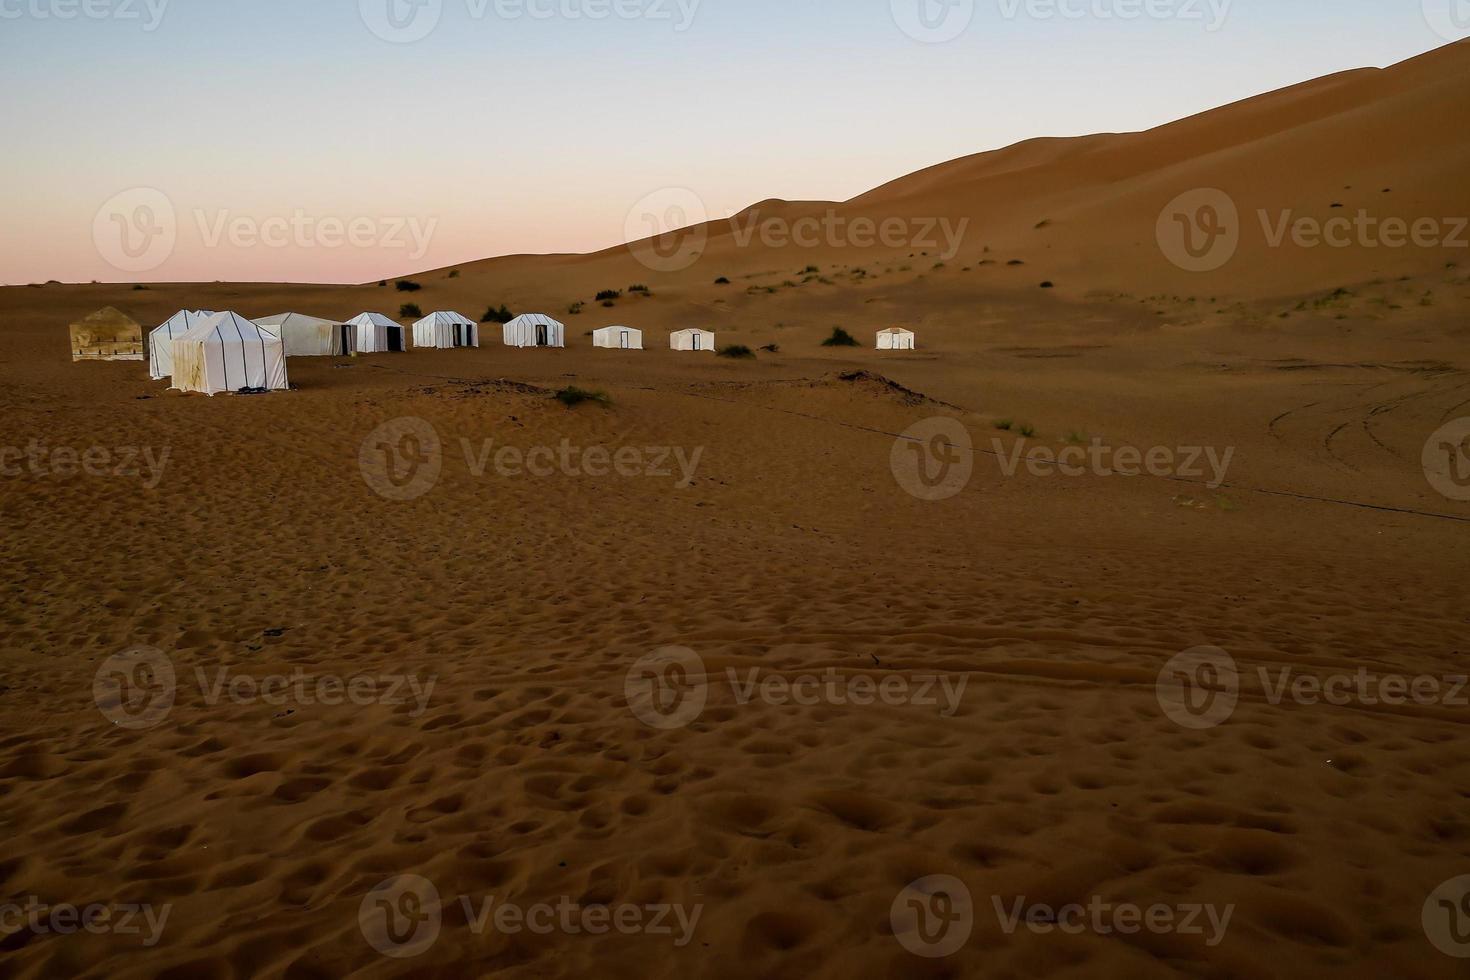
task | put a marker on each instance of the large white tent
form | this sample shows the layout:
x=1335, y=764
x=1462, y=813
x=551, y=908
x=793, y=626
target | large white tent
x=310, y=336
x=376, y=334
x=535, y=330
x=161, y=340
x=446, y=329
x=895, y=338
x=692, y=340
x=227, y=353
x=618, y=338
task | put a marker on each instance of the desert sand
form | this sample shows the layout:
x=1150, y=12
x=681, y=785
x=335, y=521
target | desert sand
x=262, y=550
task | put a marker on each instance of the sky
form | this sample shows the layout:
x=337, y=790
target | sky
x=350, y=140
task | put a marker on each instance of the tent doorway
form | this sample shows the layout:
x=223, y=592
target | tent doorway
x=541, y=338
x=395, y=340
x=624, y=340
x=698, y=342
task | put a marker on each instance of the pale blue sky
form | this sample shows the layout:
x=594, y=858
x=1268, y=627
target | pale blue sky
x=523, y=134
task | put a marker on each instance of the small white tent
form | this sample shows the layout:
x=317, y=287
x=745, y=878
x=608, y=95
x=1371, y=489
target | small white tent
x=227, y=353
x=310, y=336
x=692, y=340
x=535, y=330
x=895, y=338
x=445, y=330
x=376, y=334
x=161, y=340
x=618, y=338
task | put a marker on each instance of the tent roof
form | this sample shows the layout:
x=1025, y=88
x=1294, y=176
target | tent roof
x=692, y=330
x=896, y=330
x=445, y=317
x=295, y=320
x=108, y=316
x=183, y=320
x=535, y=319
x=372, y=320
x=229, y=328
x=617, y=327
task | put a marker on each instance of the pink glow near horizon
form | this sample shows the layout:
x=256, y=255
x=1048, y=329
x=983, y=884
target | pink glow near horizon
x=314, y=148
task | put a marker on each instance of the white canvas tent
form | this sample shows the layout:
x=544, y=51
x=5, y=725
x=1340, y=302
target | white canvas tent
x=376, y=334
x=535, y=330
x=310, y=336
x=618, y=338
x=227, y=353
x=692, y=340
x=895, y=338
x=445, y=330
x=161, y=340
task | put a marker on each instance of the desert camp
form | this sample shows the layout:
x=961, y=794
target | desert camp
x=106, y=335
x=618, y=338
x=692, y=339
x=896, y=338
x=227, y=353
x=445, y=331
x=160, y=341
x=376, y=334
x=534, y=330
x=310, y=336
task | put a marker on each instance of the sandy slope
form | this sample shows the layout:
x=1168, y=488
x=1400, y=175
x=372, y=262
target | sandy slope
x=528, y=777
